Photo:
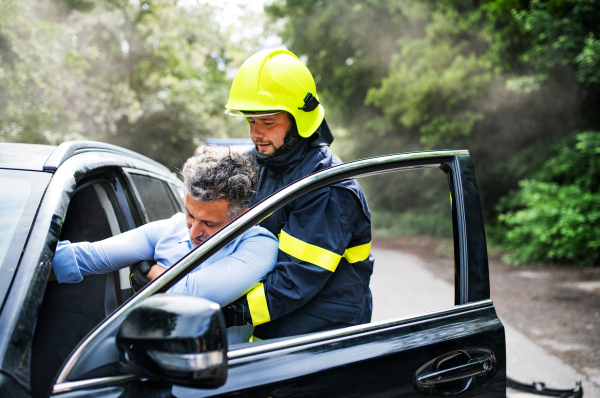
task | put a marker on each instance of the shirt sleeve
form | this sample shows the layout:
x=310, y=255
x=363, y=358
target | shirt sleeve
x=73, y=261
x=233, y=276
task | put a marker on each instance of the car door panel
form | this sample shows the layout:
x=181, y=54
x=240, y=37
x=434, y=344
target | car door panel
x=380, y=363
x=372, y=363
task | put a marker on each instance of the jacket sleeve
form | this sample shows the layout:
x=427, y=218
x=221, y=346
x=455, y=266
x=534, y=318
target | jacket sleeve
x=233, y=276
x=311, y=245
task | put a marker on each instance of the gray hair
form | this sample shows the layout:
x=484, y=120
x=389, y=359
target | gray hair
x=219, y=173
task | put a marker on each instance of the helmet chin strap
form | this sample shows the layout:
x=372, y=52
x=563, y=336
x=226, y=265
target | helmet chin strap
x=291, y=138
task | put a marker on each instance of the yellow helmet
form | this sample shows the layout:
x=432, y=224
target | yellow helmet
x=275, y=81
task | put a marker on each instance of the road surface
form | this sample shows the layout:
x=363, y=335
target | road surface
x=402, y=285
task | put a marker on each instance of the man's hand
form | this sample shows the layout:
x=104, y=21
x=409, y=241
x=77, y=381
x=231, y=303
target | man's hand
x=139, y=271
x=155, y=272
x=143, y=272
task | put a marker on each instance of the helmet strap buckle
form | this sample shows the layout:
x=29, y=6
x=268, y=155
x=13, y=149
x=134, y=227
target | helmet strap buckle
x=310, y=103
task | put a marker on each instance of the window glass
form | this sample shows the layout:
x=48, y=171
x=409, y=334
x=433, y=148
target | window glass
x=155, y=196
x=13, y=198
x=412, y=245
x=20, y=195
x=179, y=195
x=411, y=213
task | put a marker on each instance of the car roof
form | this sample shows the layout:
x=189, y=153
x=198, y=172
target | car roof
x=49, y=158
x=24, y=156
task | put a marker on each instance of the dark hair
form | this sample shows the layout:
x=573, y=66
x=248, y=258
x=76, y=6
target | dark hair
x=219, y=173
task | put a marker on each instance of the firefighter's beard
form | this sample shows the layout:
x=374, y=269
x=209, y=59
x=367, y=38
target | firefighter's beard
x=196, y=244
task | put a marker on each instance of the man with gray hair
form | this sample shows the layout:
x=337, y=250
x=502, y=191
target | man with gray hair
x=218, y=187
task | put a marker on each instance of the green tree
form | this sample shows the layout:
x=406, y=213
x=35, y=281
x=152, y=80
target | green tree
x=398, y=76
x=147, y=75
x=555, y=216
x=40, y=69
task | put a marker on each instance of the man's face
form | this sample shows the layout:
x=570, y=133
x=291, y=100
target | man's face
x=205, y=218
x=268, y=132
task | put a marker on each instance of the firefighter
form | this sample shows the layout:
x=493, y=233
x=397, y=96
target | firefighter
x=324, y=264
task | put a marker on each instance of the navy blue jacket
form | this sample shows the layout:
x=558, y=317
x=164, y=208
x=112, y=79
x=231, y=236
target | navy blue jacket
x=321, y=280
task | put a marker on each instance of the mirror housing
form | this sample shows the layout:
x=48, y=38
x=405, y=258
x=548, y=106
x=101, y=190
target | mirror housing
x=175, y=339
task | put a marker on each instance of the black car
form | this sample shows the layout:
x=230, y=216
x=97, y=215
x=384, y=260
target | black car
x=97, y=339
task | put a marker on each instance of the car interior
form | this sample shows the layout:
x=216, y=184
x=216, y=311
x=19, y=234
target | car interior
x=100, y=208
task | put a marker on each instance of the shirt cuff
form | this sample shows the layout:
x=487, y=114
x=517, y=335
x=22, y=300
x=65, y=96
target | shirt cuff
x=65, y=264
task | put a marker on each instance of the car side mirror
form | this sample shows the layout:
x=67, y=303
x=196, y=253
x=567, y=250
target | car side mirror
x=175, y=339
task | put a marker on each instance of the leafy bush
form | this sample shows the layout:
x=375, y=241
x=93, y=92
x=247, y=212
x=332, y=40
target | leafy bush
x=555, y=216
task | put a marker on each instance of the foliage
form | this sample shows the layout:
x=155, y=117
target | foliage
x=435, y=80
x=506, y=79
x=562, y=33
x=145, y=75
x=40, y=70
x=555, y=216
x=399, y=76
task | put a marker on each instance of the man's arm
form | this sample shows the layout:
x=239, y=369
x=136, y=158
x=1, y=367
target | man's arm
x=233, y=276
x=73, y=261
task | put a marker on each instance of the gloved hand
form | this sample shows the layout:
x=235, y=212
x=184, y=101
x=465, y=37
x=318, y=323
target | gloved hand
x=235, y=315
x=138, y=278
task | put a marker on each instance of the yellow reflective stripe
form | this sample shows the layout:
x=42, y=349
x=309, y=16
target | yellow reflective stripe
x=257, y=303
x=307, y=252
x=357, y=253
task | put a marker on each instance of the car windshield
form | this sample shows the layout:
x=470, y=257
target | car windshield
x=13, y=198
x=20, y=195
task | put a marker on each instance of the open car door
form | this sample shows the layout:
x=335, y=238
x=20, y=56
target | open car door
x=457, y=350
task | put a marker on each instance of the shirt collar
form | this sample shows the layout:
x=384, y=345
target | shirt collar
x=185, y=236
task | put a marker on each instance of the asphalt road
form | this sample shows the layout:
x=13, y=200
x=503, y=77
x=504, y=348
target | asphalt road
x=403, y=284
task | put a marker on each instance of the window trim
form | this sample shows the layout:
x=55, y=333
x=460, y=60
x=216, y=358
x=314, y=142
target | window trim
x=323, y=337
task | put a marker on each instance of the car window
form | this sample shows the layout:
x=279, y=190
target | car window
x=412, y=243
x=179, y=195
x=156, y=197
x=20, y=194
x=13, y=198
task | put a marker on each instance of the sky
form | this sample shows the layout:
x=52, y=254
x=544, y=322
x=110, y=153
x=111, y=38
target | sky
x=229, y=13
x=232, y=10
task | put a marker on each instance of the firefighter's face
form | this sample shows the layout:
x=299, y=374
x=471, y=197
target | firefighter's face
x=268, y=132
x=205, y=218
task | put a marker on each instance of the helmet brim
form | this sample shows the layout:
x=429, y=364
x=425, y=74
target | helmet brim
x=236, y=113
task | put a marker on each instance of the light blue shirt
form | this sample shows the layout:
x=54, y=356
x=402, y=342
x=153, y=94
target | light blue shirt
x=226, y=276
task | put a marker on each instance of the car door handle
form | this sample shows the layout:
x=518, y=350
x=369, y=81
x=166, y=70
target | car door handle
x=475, y=367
